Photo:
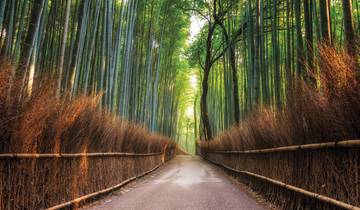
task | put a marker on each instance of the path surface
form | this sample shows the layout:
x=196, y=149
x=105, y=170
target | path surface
x=186, y=183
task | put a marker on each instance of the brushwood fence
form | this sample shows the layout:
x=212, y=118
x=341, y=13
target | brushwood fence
x=315, y=176
x=57, y=181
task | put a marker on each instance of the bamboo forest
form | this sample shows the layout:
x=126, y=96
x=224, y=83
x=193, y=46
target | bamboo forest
x=111, y=90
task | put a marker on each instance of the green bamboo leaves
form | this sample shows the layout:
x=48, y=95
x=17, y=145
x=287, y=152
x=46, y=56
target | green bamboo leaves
x=278, y=46
x=126, y=50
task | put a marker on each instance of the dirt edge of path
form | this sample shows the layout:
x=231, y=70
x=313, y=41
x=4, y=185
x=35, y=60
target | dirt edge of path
x=244, y=188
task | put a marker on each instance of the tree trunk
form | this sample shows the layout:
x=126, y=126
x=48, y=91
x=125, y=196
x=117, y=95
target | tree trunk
x=28, y=45
x=205, y=86
x=350, y=40
x=232, y=60
x=289, y=45
x=2, y=12
x=63, y=47
x=300, y=45
x=257, y=50
x=309, y=31
x=251, y=58
x=235, y=84
x=195, y=119
x=276, y=54
x=325, y=22
x=77, y=45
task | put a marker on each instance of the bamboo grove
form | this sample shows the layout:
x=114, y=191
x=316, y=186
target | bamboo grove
x=250, y=53
x=126, y=50
x=137, y=54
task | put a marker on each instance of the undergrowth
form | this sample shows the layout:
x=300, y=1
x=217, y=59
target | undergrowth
x=329, y=111
x=41, y=123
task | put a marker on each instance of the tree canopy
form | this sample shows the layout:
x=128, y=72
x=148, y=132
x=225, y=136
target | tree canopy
x=141, y=56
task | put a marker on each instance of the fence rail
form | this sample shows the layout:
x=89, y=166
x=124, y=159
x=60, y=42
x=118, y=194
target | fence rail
x=313, y=195
x=101, y=192
x=326, y=173
x=339, y=144
x=70, y=155
x=100, y=174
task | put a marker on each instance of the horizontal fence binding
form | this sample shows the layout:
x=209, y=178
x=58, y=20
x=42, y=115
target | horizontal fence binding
x=339, y=144
x=71, y=155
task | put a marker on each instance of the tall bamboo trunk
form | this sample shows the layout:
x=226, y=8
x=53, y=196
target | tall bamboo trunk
x=63, y=47
x=235, y=84
x=309, y=37
x=2, y=12
x=325, y=21
x=28, y=45
x=276, y=58
x=299, y=43
x=350, y=40
x=289, y=46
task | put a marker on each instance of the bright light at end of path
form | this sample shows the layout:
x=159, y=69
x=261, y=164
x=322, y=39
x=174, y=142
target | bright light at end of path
x=189, y=112
x=195, y=27
x=193, y=81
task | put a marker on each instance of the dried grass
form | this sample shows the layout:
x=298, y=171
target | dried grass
x=40, y=123
x=330, y=112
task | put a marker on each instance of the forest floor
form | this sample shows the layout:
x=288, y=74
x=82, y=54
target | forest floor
x=187, y=182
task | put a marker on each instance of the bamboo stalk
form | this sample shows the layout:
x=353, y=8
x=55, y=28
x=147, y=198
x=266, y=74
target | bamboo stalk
x=101, y=192
x=73, y=155
x=340, y=144
x=304, y=192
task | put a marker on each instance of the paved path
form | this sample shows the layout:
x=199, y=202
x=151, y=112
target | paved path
x=186, y=183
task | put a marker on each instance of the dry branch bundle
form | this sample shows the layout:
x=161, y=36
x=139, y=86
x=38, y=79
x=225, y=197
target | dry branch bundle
x=311, y=195
x=55, y=151
x=267, y=142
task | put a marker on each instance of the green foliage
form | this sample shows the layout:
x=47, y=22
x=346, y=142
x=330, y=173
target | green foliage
x=273, y=50
x=136, y=53
x=131, y=51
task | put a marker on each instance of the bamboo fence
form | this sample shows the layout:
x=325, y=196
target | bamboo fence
x=301, y=191
x=70, y=155
x=294, y=177
x=34, y=176
x=81, y=199
x=339, y=144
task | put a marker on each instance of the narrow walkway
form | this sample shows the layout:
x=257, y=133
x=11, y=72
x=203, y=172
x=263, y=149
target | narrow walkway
x=185, y=183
